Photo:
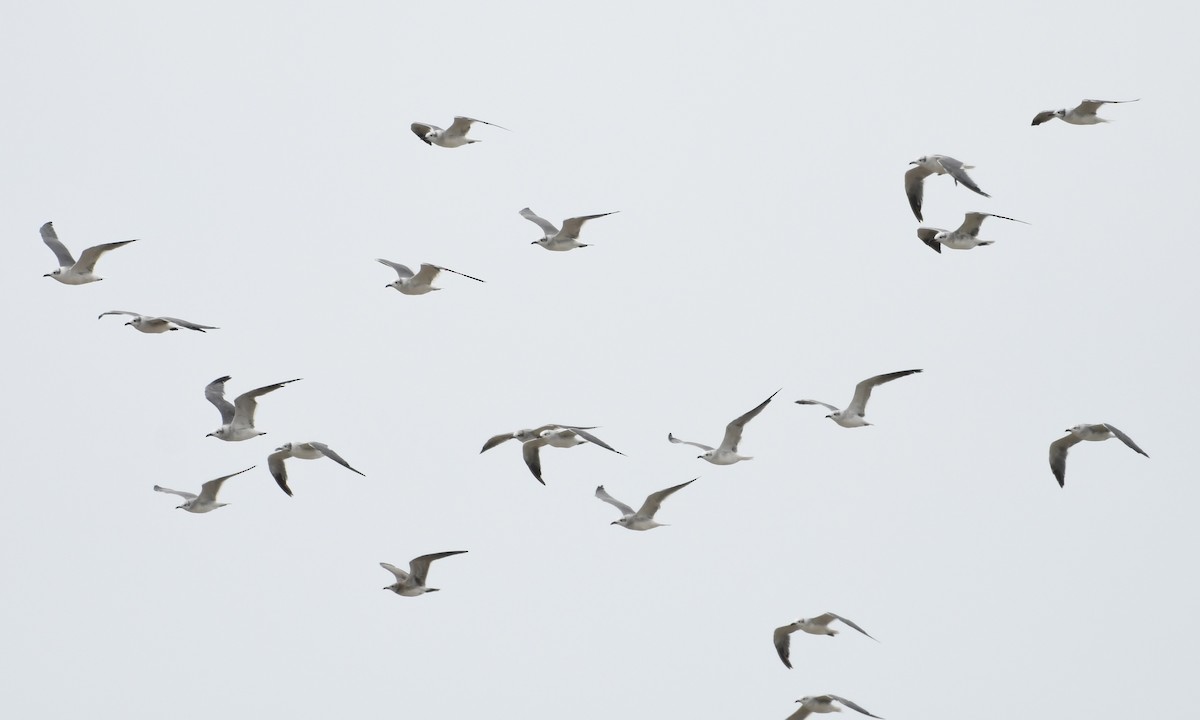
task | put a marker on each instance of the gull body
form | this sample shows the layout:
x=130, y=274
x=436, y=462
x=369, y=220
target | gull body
x=561, y=240
x=161, y=324
x=532, y=440
x=71, y=271
x=853, y=415
x=824, y=704
x=412, y=583
x=926, y=165
x=206, y=501
x=642, y=518
x=1095, y=433
x=418, y=283
x=237, y=418
x=818, y=625
x=1082, y=114
x=453, y=136
x=964, y=238
x=311, y=450
x=727, y=452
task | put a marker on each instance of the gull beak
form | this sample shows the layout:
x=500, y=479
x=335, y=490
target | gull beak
x=535, y=242
x=614, y=522
x=914, y=162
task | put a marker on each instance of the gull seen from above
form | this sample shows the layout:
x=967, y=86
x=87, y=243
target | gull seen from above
x=1079, y=433
x=206, y=501
x=421, y=282
x=412, y=583
x=70, y=271
x=727, y=452
x=824, y=704
x=852, y=416
x=559, y=436
x=565, y=239
x=643, y=517
x=311, y=450
x=818, y=625
x=964, y=238
x=161, y=324
x=453, y=136
x=237, y=418
x=1082, y=114
x=926, y=165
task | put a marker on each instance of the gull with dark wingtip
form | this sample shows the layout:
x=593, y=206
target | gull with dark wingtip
x=412, y=583
x=964, y=238
x=818, y=625
x=825, y=704
x=71, y=271
x=311, y=450
x=643, y=517
x=559, y=436
x=206, y=501
x=160, y=324
x=852, y=416
x=561, y=240
x=1079, y=433
x=418, y=283
x=453, y=136
x=1082, y=114
x=237, y=418
x=926, y=165
x=727, y=452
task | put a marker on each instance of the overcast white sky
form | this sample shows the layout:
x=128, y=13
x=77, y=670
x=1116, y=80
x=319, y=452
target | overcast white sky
x=755, y=151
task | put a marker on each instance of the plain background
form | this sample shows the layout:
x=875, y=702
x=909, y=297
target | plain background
x=755, y=151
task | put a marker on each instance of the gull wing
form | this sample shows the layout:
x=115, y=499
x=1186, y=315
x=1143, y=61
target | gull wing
x=279, y=470
x=956, y=171
x=401, y=575
x=1125, y=438
x=829, y=617
x=180, y=493
x=914, y=188
x=50, y=237
x=1058, y=457
x=87, y=260
x=1042, y=117
x=733, y=431
x=818, y=402
x=209, y=490
x=852, y=705
x=973, y=220
x=419, y=566
x=533, y=460
x=247, y=403
x=862, y=391
x=118, y=312
x=426, y=274
x=422, y=131
x=592, y=439
x=572, y=226
x=445, y=269
x=926, y=235
x=214, y=392
x=187, y=324
x=800, y=714
x=462, y=124
x=676, y=440
x=1091, y=106
x=782, y=637
x=546, y=226
x=401, y=270
x=495, y=440
x=329, y=453
x=603, y=495
x=654, y=500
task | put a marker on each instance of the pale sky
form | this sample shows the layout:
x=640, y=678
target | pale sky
x=756, y=151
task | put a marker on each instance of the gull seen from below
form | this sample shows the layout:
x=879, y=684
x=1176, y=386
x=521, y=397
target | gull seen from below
x=852, y=416
x=643, y=517
x=964, y=238
x=70, y=271
x=1079, y=433
x=813, y=626
x=421, y=282
x=824, y=704
x=559, y=436
x=565, y=239
x=412, y=583
x=1082, y=114
x=161, y=324
x=206, y=501
x=304, y=451
x=926, y=165
x=237, y=419
x=453, y=136
x=727, y=452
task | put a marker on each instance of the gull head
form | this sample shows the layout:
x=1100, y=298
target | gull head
x=220, y=432
x=623, y=521
x=940, y=235
x=286, y=447
x=1060, y=113
x=56, y=273
x=919, y=161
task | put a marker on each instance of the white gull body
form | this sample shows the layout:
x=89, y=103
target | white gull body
x=71, y=271
x=727, y=452
x=561, y=240
x=453, y=136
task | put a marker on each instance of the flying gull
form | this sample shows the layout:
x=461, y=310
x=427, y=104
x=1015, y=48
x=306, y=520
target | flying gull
x=824, y=704
x=1079, y=433
x=852, y=416
x=727, y=453
x=237, y=419
x=453, y=136
x=643, y=518
x=152, y=324
x=819, y=625
x=565, y=239
x=412, y=583
x=964, y=238
x=305, y=451
x=532, y=440
x=421, y=282
x=206, y=501
x=926, y=165
x=1082, y=114
x=71, y=272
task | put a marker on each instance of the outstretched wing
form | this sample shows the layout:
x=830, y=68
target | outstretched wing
x=1044, y=116
x=401, y=270
x=422, y=131
x=187, y=324
x=329, y=453
x=87, y=260
x=462, y=124
x=118, y=312
x=852, y=705
x=733, y=431
x=782, y=637
x=275, y=463
x=401, y=575
x=426, y=274
x=926, y=235
x=862, y=391
x=215, y=393
x=818, y=402
x=533, y=459
x=247, y=403
x=655, y=500
x=914, y=188
x=1091, y=106
x=495, y=440
x=419, y=566
x=61, y=253
x=469, y=277
x=676, y=440
x=829, y=617
x=209, y=490
x=572, y=226
x=180, y=493
x=1125, y=439
x=546, y=226
x=592, y=439
x=973, y=220
x=956, y=171
x=603, y=495
x=1058, y=457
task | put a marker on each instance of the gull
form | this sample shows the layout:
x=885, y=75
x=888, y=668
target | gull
x=565, y=239
x=1082, y=114
x=813, y=626
x=151, y=324
x=727, y=453
x=420, y=283
x=311, y=450
x=532, y=440
x=852, y=416
x=1079, y=433
x=926, y=165
x=237, y=419
x=412, y=583
x=824, y=704
x=206, y=501
x=643, y=518
x=453, y=136
x=964, y=238
x=71, y=272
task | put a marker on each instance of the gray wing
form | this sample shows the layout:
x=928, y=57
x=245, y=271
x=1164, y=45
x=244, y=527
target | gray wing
x=818, y=402
x=592, y=439
x=852, y=705
x=832, y=616
x=187, y=324
x=247, y=402
x=862, y=391
x=329, y=453
x=426, y=274
x=533, y=459
x=214, y=392
x=495, y=440
x=401, y=270
x=914, y=188
x=733, y=431
x=800, y=714
x=209, y=490
x=422, y=130
x=1042, y=117
x=419, y=566
x=118, y=312
x=1091, y=106
x=1125, y=438
x=1058, y=457
x=462, y=124
x=65, y=259
x=956, y=171
x=603, y=495
x=544, y=224
x=180, y=493
x=926, y=235
x=572, y=226
x=275, y=463
x=87, y=260
x=469, y=277
x=401, y=575
x=676, y=440
x=782, y=637
x=655, y=500
x=973, y=220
